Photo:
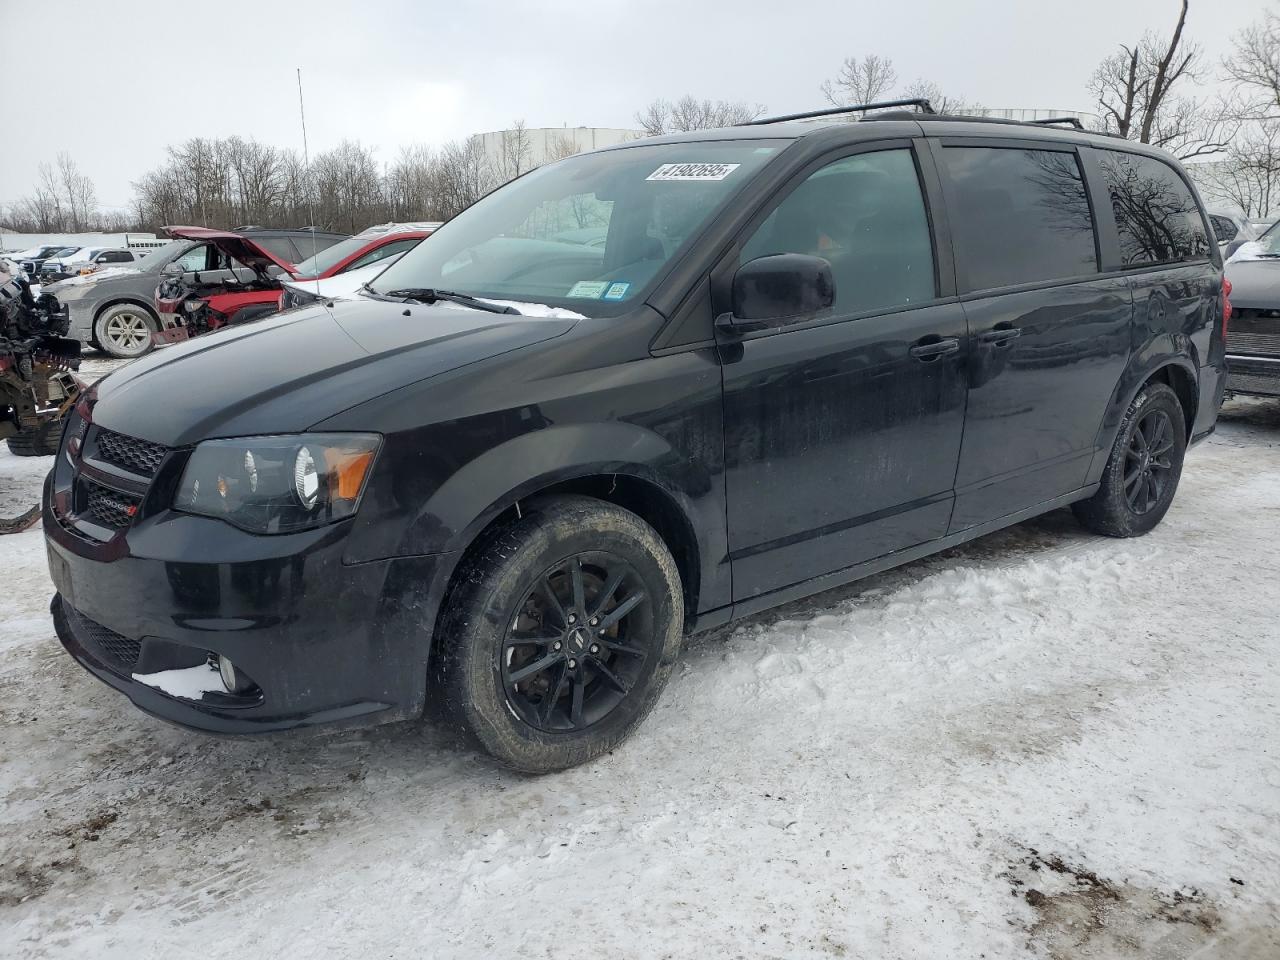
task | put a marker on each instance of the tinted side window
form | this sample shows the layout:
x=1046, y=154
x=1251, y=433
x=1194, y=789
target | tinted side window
x=865, y=215
x=1224, y=228
x=1156, y=214
x=1019, y=216
x=279, y=247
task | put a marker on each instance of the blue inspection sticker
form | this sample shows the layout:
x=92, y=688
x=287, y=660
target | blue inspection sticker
x=616, y=291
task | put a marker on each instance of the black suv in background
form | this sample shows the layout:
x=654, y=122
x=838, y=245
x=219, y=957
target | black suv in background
x=510, y=476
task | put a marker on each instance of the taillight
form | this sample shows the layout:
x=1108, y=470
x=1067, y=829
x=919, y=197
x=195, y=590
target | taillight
x=1226, y=306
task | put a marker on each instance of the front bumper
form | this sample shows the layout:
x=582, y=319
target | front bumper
x=81, y=313
x=324, y=641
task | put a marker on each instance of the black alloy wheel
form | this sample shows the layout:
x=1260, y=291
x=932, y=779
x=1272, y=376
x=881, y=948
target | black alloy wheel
x=562, y=632
x=1141, y=475
x=578, y=643
x=1148, y=464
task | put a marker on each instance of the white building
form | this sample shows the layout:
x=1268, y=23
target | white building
x=552, y=143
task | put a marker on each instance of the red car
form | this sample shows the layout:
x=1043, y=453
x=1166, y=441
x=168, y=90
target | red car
x=189, y=307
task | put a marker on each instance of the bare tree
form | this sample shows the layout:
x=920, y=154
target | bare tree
x=928, y=90
x=561, y=146
x=861, y=81
x=1254, y=66
x=689, y=113
x=1248, y=177
x=78, y=193
x=515, y=152
x=465, y=174
x=1137, y=92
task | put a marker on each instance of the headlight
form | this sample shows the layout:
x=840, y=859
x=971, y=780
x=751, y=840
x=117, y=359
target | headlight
x=278, y=484
x=293, y=297
x=192, y=305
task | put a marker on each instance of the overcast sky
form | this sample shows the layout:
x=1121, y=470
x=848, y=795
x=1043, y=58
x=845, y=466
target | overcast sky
x=114, y=83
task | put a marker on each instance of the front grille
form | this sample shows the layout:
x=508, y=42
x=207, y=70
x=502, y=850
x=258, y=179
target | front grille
x=140, y=456
x=115, y=650
x=107, y=507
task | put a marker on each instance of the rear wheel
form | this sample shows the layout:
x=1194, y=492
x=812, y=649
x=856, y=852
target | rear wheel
x=1142, y=473
x=124, y=331
x=562, y=636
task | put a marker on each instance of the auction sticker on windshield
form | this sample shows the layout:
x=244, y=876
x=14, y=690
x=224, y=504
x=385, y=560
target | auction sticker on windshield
x=588, y=288
x=693, y=171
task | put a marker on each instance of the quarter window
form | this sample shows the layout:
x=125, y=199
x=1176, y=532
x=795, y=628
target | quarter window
x=865, y=215
x=1223, y=228
x=1020, y=216
x=1156, y=215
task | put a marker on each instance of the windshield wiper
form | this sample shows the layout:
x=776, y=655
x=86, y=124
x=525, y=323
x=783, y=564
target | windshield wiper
x=430, y=295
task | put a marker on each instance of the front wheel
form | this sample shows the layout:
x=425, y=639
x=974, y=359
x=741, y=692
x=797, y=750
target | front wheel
x=562, y=634
x=124, y=331
x=1142, y=473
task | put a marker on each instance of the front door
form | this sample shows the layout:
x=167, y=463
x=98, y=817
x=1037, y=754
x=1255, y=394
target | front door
x=842, y=431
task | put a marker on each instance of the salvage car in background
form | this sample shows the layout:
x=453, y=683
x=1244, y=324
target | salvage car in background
x=344, y=286
x=1232, y=229
x=1253, y=339
x=88, y=260
x=114, y=308
x=190, y=306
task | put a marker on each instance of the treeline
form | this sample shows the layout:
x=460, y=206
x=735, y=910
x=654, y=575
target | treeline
x=233, y=182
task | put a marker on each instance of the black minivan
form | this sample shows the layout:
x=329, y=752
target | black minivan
x=509, y=476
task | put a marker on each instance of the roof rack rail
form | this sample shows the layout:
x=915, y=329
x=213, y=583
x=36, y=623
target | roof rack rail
x=924, y=105
x=1050, y=121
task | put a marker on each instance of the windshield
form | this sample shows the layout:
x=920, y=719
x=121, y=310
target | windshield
x=531, y=241
x=172, y=249
x=1269, y=243
x=328, y=257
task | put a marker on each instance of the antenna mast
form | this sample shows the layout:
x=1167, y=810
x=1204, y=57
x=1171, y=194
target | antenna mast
x=306, y=162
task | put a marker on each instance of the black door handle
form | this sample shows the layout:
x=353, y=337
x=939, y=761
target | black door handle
x=999, y=336
x=933, y=349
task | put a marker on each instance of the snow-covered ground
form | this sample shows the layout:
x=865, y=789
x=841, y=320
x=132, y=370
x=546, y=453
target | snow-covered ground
x=1043, y=744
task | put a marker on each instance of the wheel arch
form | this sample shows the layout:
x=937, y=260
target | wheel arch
x=1176, y=371
x=123, y=299
x=645, y=476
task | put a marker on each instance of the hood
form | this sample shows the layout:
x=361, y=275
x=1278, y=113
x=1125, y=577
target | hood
x=1255, y=284
x=80, y=284
x=289, y=372
x=234, y=245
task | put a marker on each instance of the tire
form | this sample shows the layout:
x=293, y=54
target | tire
x=519, y=607
x=42, y=441
x=124, y=331
x=1137, y=490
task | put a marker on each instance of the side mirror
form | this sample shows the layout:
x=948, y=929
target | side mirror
x=782, y=287
x=172, y=270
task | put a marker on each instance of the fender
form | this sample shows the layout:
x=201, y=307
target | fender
x=1159, y=353
x=116, y=301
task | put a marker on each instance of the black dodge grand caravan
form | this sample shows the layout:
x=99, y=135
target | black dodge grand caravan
x=632, y=394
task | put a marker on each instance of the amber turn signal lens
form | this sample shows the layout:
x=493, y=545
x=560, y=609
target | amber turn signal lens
x=348, y=469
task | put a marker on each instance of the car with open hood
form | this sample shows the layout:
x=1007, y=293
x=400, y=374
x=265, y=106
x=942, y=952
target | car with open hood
x=114, y=308
x=507, y=477
x=193, y=305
